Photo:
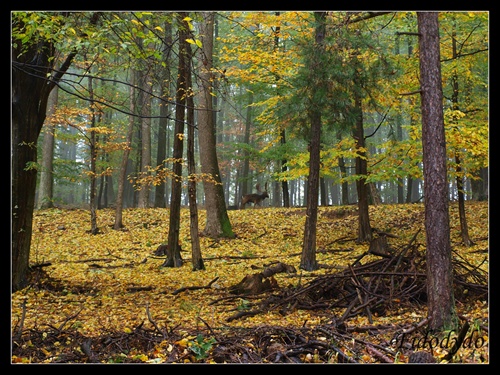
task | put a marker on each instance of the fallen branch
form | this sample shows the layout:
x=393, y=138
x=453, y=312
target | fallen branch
x=21, y=323
x=195, y=287
x=381, y=356
x=133, y=289
x=241, y=314
x=153, y=322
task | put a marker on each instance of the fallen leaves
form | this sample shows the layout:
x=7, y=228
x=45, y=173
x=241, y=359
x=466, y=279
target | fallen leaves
x=112, y=285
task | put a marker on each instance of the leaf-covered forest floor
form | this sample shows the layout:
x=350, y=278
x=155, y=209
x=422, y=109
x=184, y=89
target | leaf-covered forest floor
x=106, y=298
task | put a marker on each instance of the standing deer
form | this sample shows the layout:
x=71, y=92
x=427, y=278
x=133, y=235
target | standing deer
x=254, y=198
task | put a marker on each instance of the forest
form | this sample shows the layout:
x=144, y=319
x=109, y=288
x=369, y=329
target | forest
x=249, y=187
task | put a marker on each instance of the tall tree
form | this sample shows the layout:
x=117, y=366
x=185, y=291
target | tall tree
x=308, y=259
x=93, y=159
x=174, y=258
x=45, y=192
x=196, y=257
x=440, y=297
x=283, y=161
x=246, y=153
x=459, y=176
x=145, y=103
x=33, y=78
x=122, y=177
x=364, y=228
x=343, y=175
x=217, y=222
x=161, y=154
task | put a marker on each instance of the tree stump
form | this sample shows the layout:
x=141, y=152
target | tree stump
x=262, y=281
x=253, y=284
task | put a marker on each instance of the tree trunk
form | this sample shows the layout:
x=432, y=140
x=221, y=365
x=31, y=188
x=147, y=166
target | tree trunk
x=323, y=195
x=364, y=228
x=122, y=177
x=343, y=175
x=33, y=78
x=93, y=160
x=464, y=230
x=246, y=154
x=284, y=161
x=284, y=168
x=143, y=201
x=161, y=155
x=196, y=258
x=440, y=298
x=480, y=185
x=458, y=169
x=45, y=191
x=308, y=259
x=174, y=258
x=30, y=93
x=217, y=223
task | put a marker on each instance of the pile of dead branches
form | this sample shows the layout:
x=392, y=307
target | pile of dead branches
x=398, y=278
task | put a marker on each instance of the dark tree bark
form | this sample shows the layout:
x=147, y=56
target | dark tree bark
x=308, y=259
x=464, y=229
x=479, y=186
x=217, y=223
x=323, y=195
x=31, y=65
x=440, y=298
x=364, y=228
x=174, y=258
x=284, y=168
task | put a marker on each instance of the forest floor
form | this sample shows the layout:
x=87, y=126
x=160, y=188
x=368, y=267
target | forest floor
x=106, y=298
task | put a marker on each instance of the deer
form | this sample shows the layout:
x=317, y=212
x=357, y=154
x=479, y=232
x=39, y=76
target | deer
x=256, y=199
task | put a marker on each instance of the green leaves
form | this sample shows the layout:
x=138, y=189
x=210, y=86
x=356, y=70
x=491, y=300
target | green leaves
x=200, y=346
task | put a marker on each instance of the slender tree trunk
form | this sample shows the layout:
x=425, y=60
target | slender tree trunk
x=364, y=228
x=479, y=186
x=144, y=192
x=440, y=297
x=284, y=168
x=343, y=175
x=93, y=159
x=196, y=258
x=308, y=259
x=217, y=223
x=322, y=189
x=161, y=154
x=45, y=191
x=374, y=194
x=464, y=230
x=284, y=161
x=174, y=258
x=122, y=176
x=246, y=155
x=409, y=187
